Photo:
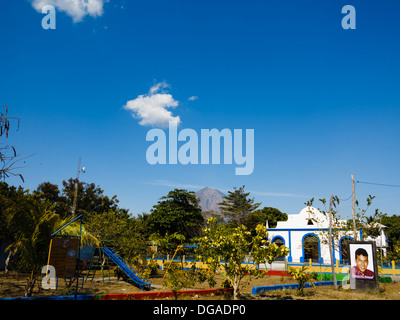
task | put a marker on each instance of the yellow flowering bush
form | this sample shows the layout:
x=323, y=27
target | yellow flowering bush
x=226, y=249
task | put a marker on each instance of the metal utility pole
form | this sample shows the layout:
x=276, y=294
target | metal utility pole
x=76, y=188
x=354, y=208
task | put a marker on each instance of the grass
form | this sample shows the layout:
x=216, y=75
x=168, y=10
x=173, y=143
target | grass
x=12, y=285
x=390, y=291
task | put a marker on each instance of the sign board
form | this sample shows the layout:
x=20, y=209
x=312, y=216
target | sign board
x=63, y=256
x=364, y=267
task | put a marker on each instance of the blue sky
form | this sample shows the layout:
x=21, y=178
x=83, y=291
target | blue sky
x=324, y=102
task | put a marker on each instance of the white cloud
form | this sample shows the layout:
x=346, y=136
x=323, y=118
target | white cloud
x=192, y=98
x=76, y=9
x=151, y=108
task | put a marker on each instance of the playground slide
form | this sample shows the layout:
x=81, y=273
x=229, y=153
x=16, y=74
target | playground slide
x=137, y=279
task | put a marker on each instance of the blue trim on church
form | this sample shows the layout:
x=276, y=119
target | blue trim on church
x=310, y=231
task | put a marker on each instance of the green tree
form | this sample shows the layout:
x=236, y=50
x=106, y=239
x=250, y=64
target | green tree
x=9, y=196
x=393, y=233
x=236, y=206
x=393, y=230
x=91, y=199
x=51, y=193
x=301, y=276
x=260, y=216
x=168, y=243
x=394, y=253
x=178, y=212
x=32, y=222
x=337, y=227
x=226, y=248
x=12, y=194
x=119, y=230
x=178, y=279
x=27, y=224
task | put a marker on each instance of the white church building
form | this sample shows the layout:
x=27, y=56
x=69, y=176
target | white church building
x=306, y=235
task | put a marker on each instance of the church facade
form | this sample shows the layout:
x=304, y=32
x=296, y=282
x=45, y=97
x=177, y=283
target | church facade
x=306, y=235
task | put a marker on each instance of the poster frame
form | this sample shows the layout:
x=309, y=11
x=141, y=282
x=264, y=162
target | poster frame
x=356, y=282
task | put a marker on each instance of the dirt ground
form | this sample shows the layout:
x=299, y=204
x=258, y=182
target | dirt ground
x=13, y=285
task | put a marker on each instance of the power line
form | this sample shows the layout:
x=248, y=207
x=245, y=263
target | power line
x=373, y=183
x=351, y=195
x=346, y=198
x=379, y=184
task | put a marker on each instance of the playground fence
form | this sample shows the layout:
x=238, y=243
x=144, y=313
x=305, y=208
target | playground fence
x=186, y=260
x=386, y=267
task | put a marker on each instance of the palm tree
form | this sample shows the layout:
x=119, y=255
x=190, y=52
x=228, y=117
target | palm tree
x=32, y=223
x=73, y=230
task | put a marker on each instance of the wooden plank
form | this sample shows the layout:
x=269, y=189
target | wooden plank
x=63, y=256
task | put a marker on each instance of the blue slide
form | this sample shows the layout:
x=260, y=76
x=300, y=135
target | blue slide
x=141, y=282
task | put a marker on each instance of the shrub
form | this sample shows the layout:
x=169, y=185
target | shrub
x=301, y=276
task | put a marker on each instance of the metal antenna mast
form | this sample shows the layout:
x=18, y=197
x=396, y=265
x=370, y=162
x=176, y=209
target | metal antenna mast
x=76, y=188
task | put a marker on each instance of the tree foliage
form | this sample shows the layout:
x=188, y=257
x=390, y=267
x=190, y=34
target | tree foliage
x=236, y=206
x=178, y=212
x=260, y=216
x=393, y=232
x=341, y=227
x=301, y=276
x=222, y=247
x=91, y=199
x=31, y=222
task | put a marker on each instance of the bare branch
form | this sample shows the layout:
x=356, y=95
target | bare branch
x=8, y=160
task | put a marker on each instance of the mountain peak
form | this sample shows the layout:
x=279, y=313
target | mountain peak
x=209, y=199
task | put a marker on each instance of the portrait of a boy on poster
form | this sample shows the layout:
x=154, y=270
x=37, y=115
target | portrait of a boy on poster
x=362, y=261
